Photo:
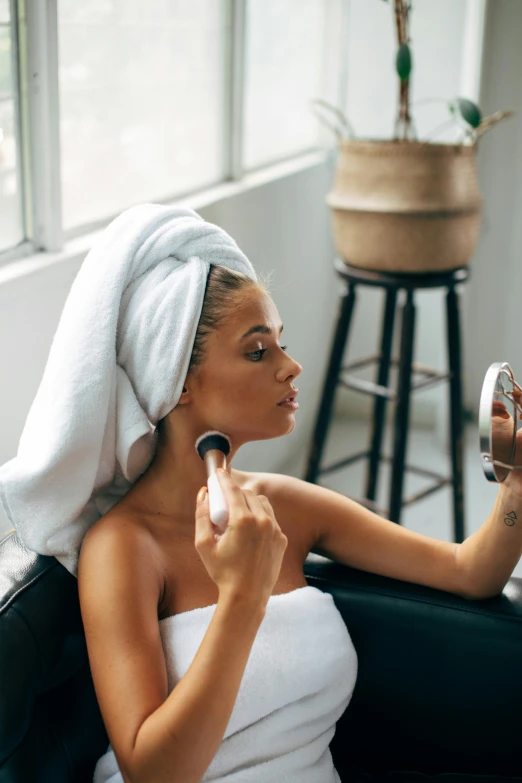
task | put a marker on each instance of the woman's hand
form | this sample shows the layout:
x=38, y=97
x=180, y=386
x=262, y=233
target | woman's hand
x=502, y=426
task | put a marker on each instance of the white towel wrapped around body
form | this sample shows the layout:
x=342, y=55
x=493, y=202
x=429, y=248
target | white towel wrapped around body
x=297, y=683
x=116, y=366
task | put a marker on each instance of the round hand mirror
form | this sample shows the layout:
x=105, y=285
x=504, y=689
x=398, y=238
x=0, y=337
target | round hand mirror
x=499, y=417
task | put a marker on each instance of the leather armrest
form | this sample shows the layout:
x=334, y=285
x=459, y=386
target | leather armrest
x=439, y=683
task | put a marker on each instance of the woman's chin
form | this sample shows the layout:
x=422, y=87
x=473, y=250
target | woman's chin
x=284, y=427
x=290, y=424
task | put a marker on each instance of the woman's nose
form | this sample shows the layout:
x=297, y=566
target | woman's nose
x=298, y=369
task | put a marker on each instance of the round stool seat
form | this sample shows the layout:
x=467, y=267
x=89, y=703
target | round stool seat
x=401, y=279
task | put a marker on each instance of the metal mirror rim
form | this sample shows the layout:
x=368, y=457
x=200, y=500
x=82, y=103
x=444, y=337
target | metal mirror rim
x=485, y=419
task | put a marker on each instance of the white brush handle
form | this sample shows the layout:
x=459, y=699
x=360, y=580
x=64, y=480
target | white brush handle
x=217, y=503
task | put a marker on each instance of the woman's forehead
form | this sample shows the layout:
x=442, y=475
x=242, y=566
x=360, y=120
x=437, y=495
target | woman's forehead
x=258, y=307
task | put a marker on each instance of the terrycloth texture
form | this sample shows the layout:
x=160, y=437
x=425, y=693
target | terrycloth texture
x=297, y=683
x=116, y=367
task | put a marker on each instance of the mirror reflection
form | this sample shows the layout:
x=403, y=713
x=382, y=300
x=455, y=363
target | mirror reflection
x=500, y=423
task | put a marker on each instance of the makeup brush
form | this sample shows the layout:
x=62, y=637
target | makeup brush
x=214, y=447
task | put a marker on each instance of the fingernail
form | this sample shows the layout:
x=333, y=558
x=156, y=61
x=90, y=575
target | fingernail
x=201, y=495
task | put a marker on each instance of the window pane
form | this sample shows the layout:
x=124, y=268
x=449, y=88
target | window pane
x=11, y=227
x=283, y=72
x=6, y=76
x=4, y=11
x=141, y=102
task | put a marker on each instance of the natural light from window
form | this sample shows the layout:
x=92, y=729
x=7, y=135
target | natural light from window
x=141, y=102
x=11, y=226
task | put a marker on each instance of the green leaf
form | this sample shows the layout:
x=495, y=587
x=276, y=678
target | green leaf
x=470, y=112
x=403, y=62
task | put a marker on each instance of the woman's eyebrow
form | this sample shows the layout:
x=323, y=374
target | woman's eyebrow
x=263, y=328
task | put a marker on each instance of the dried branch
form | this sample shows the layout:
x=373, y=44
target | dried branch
x=488, y=122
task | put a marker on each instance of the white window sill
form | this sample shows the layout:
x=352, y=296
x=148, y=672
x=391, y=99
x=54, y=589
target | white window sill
x=79, y=247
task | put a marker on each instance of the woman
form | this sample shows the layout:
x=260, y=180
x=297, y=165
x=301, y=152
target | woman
x=211, y=657
x=155, y=537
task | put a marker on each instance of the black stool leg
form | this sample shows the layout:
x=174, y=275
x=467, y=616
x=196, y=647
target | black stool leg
x=346, y=305
x=456, y=414
x=403, y=408
x=379, y=409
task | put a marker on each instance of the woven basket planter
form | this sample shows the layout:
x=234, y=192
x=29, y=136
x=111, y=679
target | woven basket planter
x=405, y=206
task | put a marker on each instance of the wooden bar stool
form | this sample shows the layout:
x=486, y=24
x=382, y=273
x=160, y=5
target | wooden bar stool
x=336, y=375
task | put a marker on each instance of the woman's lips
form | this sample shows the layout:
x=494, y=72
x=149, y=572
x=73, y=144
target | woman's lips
x=291, y=404
x=292, y=396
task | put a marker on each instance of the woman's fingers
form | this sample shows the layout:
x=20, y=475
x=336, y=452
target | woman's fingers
x=234, y=495
x=500, y=410
x=517, y=395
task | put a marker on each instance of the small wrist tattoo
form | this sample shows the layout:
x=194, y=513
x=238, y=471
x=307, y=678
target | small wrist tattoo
x=510, y=519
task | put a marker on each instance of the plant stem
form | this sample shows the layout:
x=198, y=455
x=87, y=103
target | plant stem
x=403, y=125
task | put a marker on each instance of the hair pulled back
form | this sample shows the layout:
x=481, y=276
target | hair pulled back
x=223, y=293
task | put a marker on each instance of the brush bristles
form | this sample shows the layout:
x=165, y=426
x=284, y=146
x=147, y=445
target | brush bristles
x=213, y=439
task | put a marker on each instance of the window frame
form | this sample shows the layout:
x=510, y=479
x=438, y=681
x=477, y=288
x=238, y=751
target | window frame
x=34, y=26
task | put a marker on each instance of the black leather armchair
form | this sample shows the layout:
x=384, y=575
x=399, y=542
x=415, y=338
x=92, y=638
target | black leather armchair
x=438, y=691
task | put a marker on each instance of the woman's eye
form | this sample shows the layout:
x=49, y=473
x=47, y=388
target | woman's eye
x=262, y=351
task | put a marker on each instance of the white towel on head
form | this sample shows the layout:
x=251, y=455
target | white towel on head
x=116, y=366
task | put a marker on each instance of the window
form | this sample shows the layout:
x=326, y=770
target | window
x=285, y=67
x=141, y=102
x=111, y=103
x=11, y=221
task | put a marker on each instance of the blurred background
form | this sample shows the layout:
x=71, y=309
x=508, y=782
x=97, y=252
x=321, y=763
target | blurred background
x=206, y=103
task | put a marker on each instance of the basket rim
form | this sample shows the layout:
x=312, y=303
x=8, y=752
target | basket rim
x=340, y=205
x=405, y=148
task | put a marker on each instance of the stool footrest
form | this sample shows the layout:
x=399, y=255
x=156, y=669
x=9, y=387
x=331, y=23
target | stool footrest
x=333, y=466
x=369, y=504
x=415, y=469
x=441, y=481
x=367, y=387
x=429, y=491
x=342, y=463
x=431, y=377
x=413, y=499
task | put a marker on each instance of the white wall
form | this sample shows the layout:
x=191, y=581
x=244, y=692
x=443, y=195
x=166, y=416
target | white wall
x=493, y=307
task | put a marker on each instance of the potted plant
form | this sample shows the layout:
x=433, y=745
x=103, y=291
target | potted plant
x=407, y=205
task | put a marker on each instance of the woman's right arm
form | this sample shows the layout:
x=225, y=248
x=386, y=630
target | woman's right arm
x=157, y=737
x=180, y=739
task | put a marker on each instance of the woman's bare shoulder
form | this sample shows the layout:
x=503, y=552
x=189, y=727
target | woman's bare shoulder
x=124, y=525
x=246, y=480
x=280, y=491
x=260, y=483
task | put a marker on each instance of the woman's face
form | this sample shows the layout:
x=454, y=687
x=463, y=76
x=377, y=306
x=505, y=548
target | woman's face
x=243, y=378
